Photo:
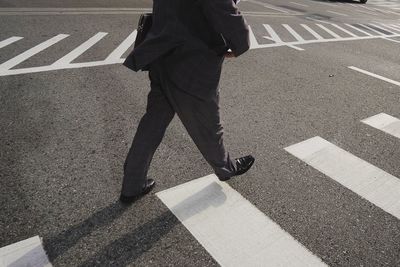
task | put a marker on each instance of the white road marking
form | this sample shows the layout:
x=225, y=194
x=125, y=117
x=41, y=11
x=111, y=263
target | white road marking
x=115, y=56
x=328, y=31
x=121, y=49
x=385, y=123
x=344, y=30
x=231, y=229
x=396, y=31
x=71, y=11
x=28, y=252
x=10, y=41
x=316, y=35
x=375, y=75
x=337, y=13
x=373, y=184
x=274, y=36
x=358, y=29
x=293, y=32
x=372, y=29
x=65, y=60
x=392, y=40
x=31, y=52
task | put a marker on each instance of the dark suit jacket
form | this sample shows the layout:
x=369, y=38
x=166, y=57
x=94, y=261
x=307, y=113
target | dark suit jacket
x=192, y=35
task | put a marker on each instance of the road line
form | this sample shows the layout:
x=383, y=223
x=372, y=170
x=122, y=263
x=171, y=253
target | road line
x=337, y=13
x=70, y=11
x=384, y=28
x=397, y=31
x=376, y=30
x=316, y=35
x=388, y=39
x=293, y=32
x=31, y=52
x=329, y=31
x=231, y=229
x=80, y=50
x=373, y=184
x=358, y=29
x=375, y=75
x=121, y=49
x=344, y=30
x=364, y=26
x=385, y=123
x=9, y=41
x=272, y=33
x=28, y=252
x=275, y=37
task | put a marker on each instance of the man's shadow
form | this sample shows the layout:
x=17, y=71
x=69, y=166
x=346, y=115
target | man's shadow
x=126, y=249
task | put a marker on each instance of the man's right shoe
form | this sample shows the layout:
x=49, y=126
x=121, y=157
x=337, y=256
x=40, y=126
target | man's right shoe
x=243, y=164
x=148, y=186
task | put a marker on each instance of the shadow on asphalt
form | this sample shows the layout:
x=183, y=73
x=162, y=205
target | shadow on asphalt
x=57, y=245
x=126, y=249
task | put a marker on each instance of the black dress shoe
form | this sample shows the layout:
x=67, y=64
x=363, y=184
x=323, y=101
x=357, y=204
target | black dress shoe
x=243, y=164
x=148, y=186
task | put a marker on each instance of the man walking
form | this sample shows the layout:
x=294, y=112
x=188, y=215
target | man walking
x=184, y=52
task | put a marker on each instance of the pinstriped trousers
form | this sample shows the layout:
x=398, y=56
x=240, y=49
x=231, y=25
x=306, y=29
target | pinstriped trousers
x=201, y=119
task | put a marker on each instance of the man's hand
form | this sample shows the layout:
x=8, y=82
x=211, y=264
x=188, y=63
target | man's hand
x=230, y=55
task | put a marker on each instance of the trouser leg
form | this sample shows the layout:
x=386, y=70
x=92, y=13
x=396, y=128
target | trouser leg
x=202, y=121
x=149, y=134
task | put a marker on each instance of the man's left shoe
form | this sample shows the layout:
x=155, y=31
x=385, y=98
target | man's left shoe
x=148, y=186
x=243, y=164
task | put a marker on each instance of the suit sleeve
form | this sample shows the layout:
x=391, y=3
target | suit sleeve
x=225, y=18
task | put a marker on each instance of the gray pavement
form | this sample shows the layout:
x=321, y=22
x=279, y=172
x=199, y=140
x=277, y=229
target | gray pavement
x=65, y=133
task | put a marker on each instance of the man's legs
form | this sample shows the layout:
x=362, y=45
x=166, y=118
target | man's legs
x=202, y=121
x=149, y=134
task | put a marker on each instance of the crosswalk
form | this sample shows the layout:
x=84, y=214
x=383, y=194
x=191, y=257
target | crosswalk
x=235, y=233
x=289, y=35
x=392, y=4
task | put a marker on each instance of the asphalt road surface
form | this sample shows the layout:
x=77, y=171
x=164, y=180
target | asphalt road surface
x=316, y=101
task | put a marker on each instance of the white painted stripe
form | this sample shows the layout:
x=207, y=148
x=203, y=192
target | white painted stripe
x=293, y=32
x=337, y=13
x=31, y=52
x=375, y=75
x=395, y=26
x=231, y=229
x=386, y=26
x=373, y=184
x=371, y=29
x=383, y=28
x=79, y=50
x=385, y=123
x=392, y=40
x=9, y=41
x=28, y=252
x=253, y=41
x=121, y=49
x=328, y=31
x=272, y=33
x=51, y=67
x=344, y=30
x=358, y=29
x=316, y=35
